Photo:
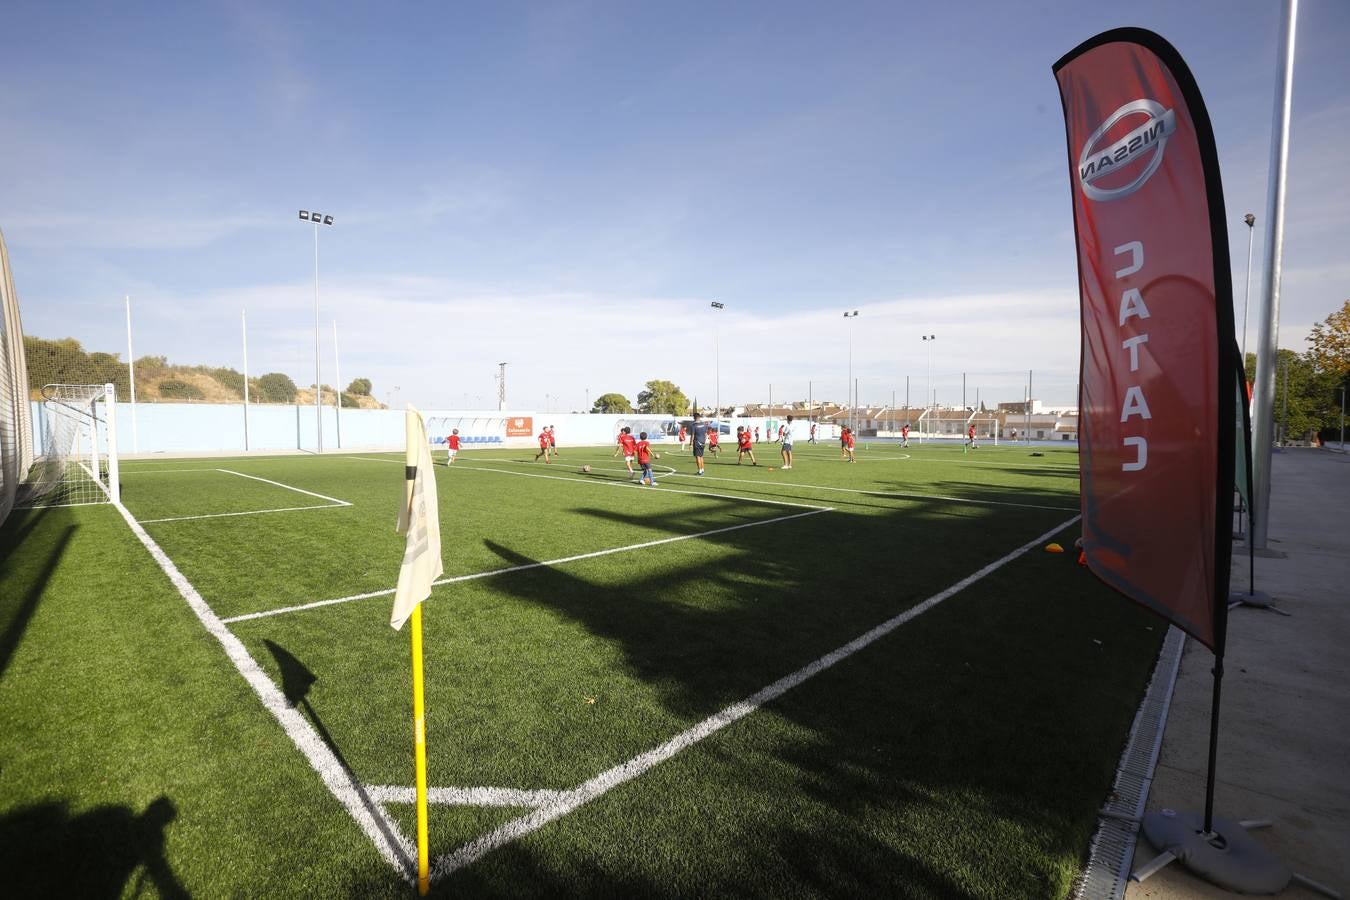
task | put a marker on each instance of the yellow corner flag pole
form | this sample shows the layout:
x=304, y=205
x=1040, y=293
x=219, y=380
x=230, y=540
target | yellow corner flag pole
x=420, y=754
x=421, y=566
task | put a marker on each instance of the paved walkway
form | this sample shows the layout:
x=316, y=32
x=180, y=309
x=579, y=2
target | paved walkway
x=1284, y=737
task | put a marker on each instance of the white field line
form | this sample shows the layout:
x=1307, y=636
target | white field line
x=783, y=484
x=631, y=485
x=247, y=512
x=396, y=849
x=535, y=565
x=124, y=471
x=464, y=796
x=289, y=487
x=903, y=495
x=624, y=772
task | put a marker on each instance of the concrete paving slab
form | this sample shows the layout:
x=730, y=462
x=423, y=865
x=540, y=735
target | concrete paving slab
x=1284, y=739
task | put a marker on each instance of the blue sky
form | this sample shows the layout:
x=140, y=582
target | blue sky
x=566, y=186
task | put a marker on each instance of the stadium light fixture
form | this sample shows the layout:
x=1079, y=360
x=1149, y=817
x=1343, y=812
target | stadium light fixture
x=851, y=387
x=317, y=218
x=717, y=363
x=1251, y=230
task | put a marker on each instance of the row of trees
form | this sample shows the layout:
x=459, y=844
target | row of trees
x=660, y=397
x=65, y=361
x=1308, y=386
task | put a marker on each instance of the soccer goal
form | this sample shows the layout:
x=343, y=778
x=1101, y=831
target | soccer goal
x=954, y=425
x=77, y=459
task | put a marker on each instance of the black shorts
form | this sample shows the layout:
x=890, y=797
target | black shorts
x=698, y=449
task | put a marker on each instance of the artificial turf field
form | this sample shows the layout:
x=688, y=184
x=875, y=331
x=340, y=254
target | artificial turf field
x=620, y=691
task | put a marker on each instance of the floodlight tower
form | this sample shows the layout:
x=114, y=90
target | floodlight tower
x=501, y=386
x=717, y=365
x=849, y=387
x=317, y=219
x=1251, y=230
x=930, y=340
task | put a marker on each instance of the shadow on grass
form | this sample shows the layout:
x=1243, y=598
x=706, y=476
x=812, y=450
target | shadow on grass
x=25, y=589
x=106, y=852
x=962, y=755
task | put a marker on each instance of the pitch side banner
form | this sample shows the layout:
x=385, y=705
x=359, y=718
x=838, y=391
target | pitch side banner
x=1158, y=355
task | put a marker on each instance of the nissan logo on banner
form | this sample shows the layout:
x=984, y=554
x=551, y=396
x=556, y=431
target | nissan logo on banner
x=1147, y=141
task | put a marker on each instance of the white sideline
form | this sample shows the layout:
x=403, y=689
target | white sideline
x=247, y=512
x=369, y=815
x=289, y=487
x=535, y=565
x=605, y=781
x=464, y=796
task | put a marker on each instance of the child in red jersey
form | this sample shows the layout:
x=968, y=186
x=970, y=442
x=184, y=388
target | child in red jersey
x=743, y=445
x=543, y=447
x=644, y=458
x=627, y=446
x=553, y=441
x=904, y=435
x=452, y=447
x=848, y=444
x=713, y=438
x=970, y=437
x=684, y=436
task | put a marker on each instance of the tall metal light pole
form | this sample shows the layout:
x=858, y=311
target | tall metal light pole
x=1251, y=231
x=849, y=388
x=317, y=219
x=337, y=388
x=501, y=386
x=1342, y=419
x=717, y=365
x=930, y=340
x=131, y=375
x=1268, y=326
x=243, y=328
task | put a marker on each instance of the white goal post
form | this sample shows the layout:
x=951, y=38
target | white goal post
x=948, y=424
x=77, y=461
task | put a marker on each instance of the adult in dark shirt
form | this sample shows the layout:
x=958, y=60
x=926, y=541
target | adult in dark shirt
x=700, y=440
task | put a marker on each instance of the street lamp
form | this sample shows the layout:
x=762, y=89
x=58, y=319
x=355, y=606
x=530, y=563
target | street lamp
x=317, y=219
x=851, y=422
x=930, y=402
x=717, y=365
x=1251, y=230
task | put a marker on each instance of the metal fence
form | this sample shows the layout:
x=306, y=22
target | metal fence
x=16, y=428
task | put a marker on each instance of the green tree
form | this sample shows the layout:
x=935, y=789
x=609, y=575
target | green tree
x=275, y=387
x=663, y=397
x=177, y=389
x=1330, y=341
x=359, y=387
x=612, y=403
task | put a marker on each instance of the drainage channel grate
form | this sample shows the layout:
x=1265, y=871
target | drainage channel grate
x=1111, y=853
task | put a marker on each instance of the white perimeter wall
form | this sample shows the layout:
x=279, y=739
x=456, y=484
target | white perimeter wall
x=219, y=427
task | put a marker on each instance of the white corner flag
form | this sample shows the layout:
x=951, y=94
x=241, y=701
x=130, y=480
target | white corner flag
x=419, y=518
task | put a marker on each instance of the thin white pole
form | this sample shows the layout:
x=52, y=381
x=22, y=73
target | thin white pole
x=1268, y=330
x=1246, y=300
x=131, y=374
x=318, y=390
x=337, y=385
x=243, y=319
x=114, y=476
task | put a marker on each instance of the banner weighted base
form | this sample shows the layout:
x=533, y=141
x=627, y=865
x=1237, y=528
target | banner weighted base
x=1256, y=599
x=1228, y=857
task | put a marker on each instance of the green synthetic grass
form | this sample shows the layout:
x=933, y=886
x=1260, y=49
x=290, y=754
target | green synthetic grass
x=964, y=754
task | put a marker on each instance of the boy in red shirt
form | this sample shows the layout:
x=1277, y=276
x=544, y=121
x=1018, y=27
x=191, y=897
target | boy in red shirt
x=848, y=444
x=743, y=445
x=713, y=438
x=552, y=441
x=452, y=447
x=644, y=458
x=684, y=436
x=543, y=447
x=904, y=435
x=628, y=447
x=970, y=436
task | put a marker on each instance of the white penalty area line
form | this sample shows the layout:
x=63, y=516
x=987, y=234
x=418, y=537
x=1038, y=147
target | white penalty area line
x=465, y=796
x=901, y=495
x=332, y=503
x=523, y=568
x=571, y=800
x=373, y=820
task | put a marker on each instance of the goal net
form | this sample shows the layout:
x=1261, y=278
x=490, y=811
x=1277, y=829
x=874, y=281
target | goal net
x=955, y=426
x=77, y=457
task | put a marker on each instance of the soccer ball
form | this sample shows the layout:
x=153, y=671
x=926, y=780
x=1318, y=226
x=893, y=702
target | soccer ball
x=658, y=456
x=586, y=469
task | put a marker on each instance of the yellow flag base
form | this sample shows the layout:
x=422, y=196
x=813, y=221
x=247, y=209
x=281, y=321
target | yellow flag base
x=420, y=754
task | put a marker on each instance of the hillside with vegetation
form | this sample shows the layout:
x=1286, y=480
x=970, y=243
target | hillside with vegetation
x=65, y=361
